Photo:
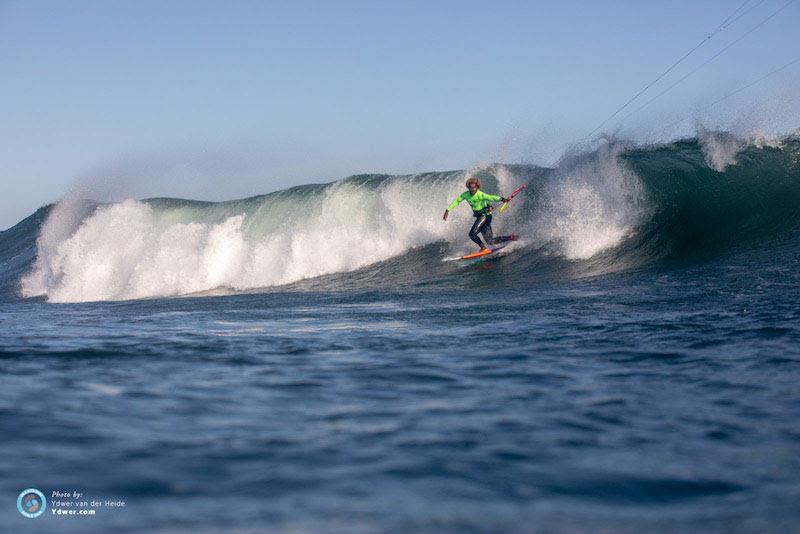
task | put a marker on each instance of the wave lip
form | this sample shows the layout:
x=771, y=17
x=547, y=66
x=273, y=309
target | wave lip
x=618, y=207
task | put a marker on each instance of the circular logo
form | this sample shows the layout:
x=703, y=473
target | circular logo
x=31, y=503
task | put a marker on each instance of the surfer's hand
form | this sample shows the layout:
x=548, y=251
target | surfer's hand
x=444, y=217
x=503, y=199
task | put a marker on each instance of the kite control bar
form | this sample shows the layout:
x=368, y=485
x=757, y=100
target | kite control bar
x=512, y=195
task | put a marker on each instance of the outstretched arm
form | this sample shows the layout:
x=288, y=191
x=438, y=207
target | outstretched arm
x=452, y=206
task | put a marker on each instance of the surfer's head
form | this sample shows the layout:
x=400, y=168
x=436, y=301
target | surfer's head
x=473, y=184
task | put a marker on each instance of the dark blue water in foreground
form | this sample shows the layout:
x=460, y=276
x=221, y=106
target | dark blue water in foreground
x=633, y=366
x=661, y=399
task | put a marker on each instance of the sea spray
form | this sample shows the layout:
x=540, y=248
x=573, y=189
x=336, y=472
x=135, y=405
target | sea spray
x=618, y=207
x=137, y=249
x=720, y=148
x=591, y=204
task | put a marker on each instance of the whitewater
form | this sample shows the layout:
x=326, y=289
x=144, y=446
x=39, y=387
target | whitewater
x=618, y=207
x=306, y=360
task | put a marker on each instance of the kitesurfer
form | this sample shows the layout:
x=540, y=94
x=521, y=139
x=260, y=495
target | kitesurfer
x=481, y=210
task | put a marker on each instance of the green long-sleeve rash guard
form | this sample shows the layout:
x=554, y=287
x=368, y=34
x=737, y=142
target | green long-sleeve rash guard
x=477, y=201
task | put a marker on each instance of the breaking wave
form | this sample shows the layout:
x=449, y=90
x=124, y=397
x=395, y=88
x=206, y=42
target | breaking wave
x=618, y=207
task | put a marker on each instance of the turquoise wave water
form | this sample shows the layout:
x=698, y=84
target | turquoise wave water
x=620, y=207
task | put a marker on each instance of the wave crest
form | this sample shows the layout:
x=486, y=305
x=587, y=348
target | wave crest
x=617, y=207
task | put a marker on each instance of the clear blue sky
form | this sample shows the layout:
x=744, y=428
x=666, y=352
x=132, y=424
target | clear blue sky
x=227, y=99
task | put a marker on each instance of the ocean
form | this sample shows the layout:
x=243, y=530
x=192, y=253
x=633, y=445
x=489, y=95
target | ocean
x=310, y=361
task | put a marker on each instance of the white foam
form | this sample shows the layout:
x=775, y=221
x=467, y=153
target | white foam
x=760, y=138
x=593, y=202
x=131, y=250
x=720, y=148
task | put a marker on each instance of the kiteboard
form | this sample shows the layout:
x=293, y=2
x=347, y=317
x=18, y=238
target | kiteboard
x=500, y=243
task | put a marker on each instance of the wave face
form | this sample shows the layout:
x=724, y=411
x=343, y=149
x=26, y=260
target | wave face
x=619, y=207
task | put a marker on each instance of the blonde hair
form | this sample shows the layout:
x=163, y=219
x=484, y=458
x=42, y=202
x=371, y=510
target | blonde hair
x=473, y=180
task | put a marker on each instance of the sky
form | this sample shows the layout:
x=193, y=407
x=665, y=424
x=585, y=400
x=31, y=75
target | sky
x=221, y=100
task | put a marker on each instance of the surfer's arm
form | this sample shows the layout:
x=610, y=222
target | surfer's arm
x=456, y=202
x=492, y=198
x=453, y=205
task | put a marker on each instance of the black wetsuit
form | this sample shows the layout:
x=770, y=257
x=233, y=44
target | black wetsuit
x=483, y=226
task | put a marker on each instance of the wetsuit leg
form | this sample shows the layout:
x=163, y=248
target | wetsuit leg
x=480, y=220
x=486, y=231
